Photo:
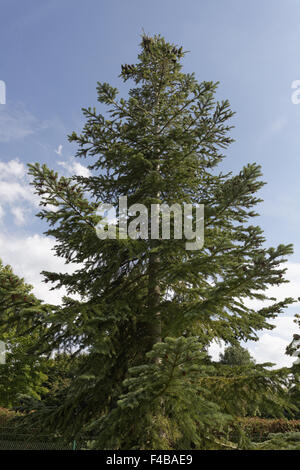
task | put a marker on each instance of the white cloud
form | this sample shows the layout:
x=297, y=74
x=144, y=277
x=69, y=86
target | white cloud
x=59, y=150
x=12, y=168
x=271, y=345
x=19, y=215
x=285, y=327
x=28, y=256
x=12, y=192
x=81, y=170
x=75, y=168
x=271, y=349
x=215, y=349
x=15, y=190
x=290, y=289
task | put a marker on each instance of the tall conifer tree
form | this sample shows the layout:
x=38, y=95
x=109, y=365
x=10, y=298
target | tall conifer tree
x=149, y=307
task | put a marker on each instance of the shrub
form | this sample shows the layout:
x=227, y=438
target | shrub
x=280, y=441
x=6, y=416
x=259, y=428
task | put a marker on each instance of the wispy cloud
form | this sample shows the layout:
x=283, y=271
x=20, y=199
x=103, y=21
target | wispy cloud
x=59, y=150
x=16, y=123
x=277, y=125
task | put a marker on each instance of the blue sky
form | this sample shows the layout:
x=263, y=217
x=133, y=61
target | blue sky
x=53, y=53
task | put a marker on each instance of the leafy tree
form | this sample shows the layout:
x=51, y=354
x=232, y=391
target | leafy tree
x=236, y=355
x=149, y=307
x=21, y=374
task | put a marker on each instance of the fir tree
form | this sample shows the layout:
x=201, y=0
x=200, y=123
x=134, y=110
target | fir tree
x=293, y=349
x=149, y=307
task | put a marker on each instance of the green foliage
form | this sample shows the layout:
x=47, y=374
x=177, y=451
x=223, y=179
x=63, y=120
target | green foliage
x=22, y=373
x=236, y=355
x=147, y=308
x=259, y=428
x=163, y=391
x=6, y=417
x=284, y=441
x=294, y=390
x=251, y=390
x=294, y=394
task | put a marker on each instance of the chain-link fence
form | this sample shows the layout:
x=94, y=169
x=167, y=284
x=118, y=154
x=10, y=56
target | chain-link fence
x=12, y=440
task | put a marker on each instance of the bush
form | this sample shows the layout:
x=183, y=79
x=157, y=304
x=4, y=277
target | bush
x=280, y=441
x=6, y=416
x=259, y=428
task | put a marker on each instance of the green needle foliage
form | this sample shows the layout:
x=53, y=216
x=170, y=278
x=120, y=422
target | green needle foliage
x=149, y=308
x=293, y=349
x=282, y=441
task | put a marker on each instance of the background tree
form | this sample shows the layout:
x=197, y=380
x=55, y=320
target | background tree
x=236, y=355
x=22, y=374
x=149, y=307
x=237, y=361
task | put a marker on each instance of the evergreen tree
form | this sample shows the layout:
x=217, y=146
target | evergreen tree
x=294, y=390
x=148, y=307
